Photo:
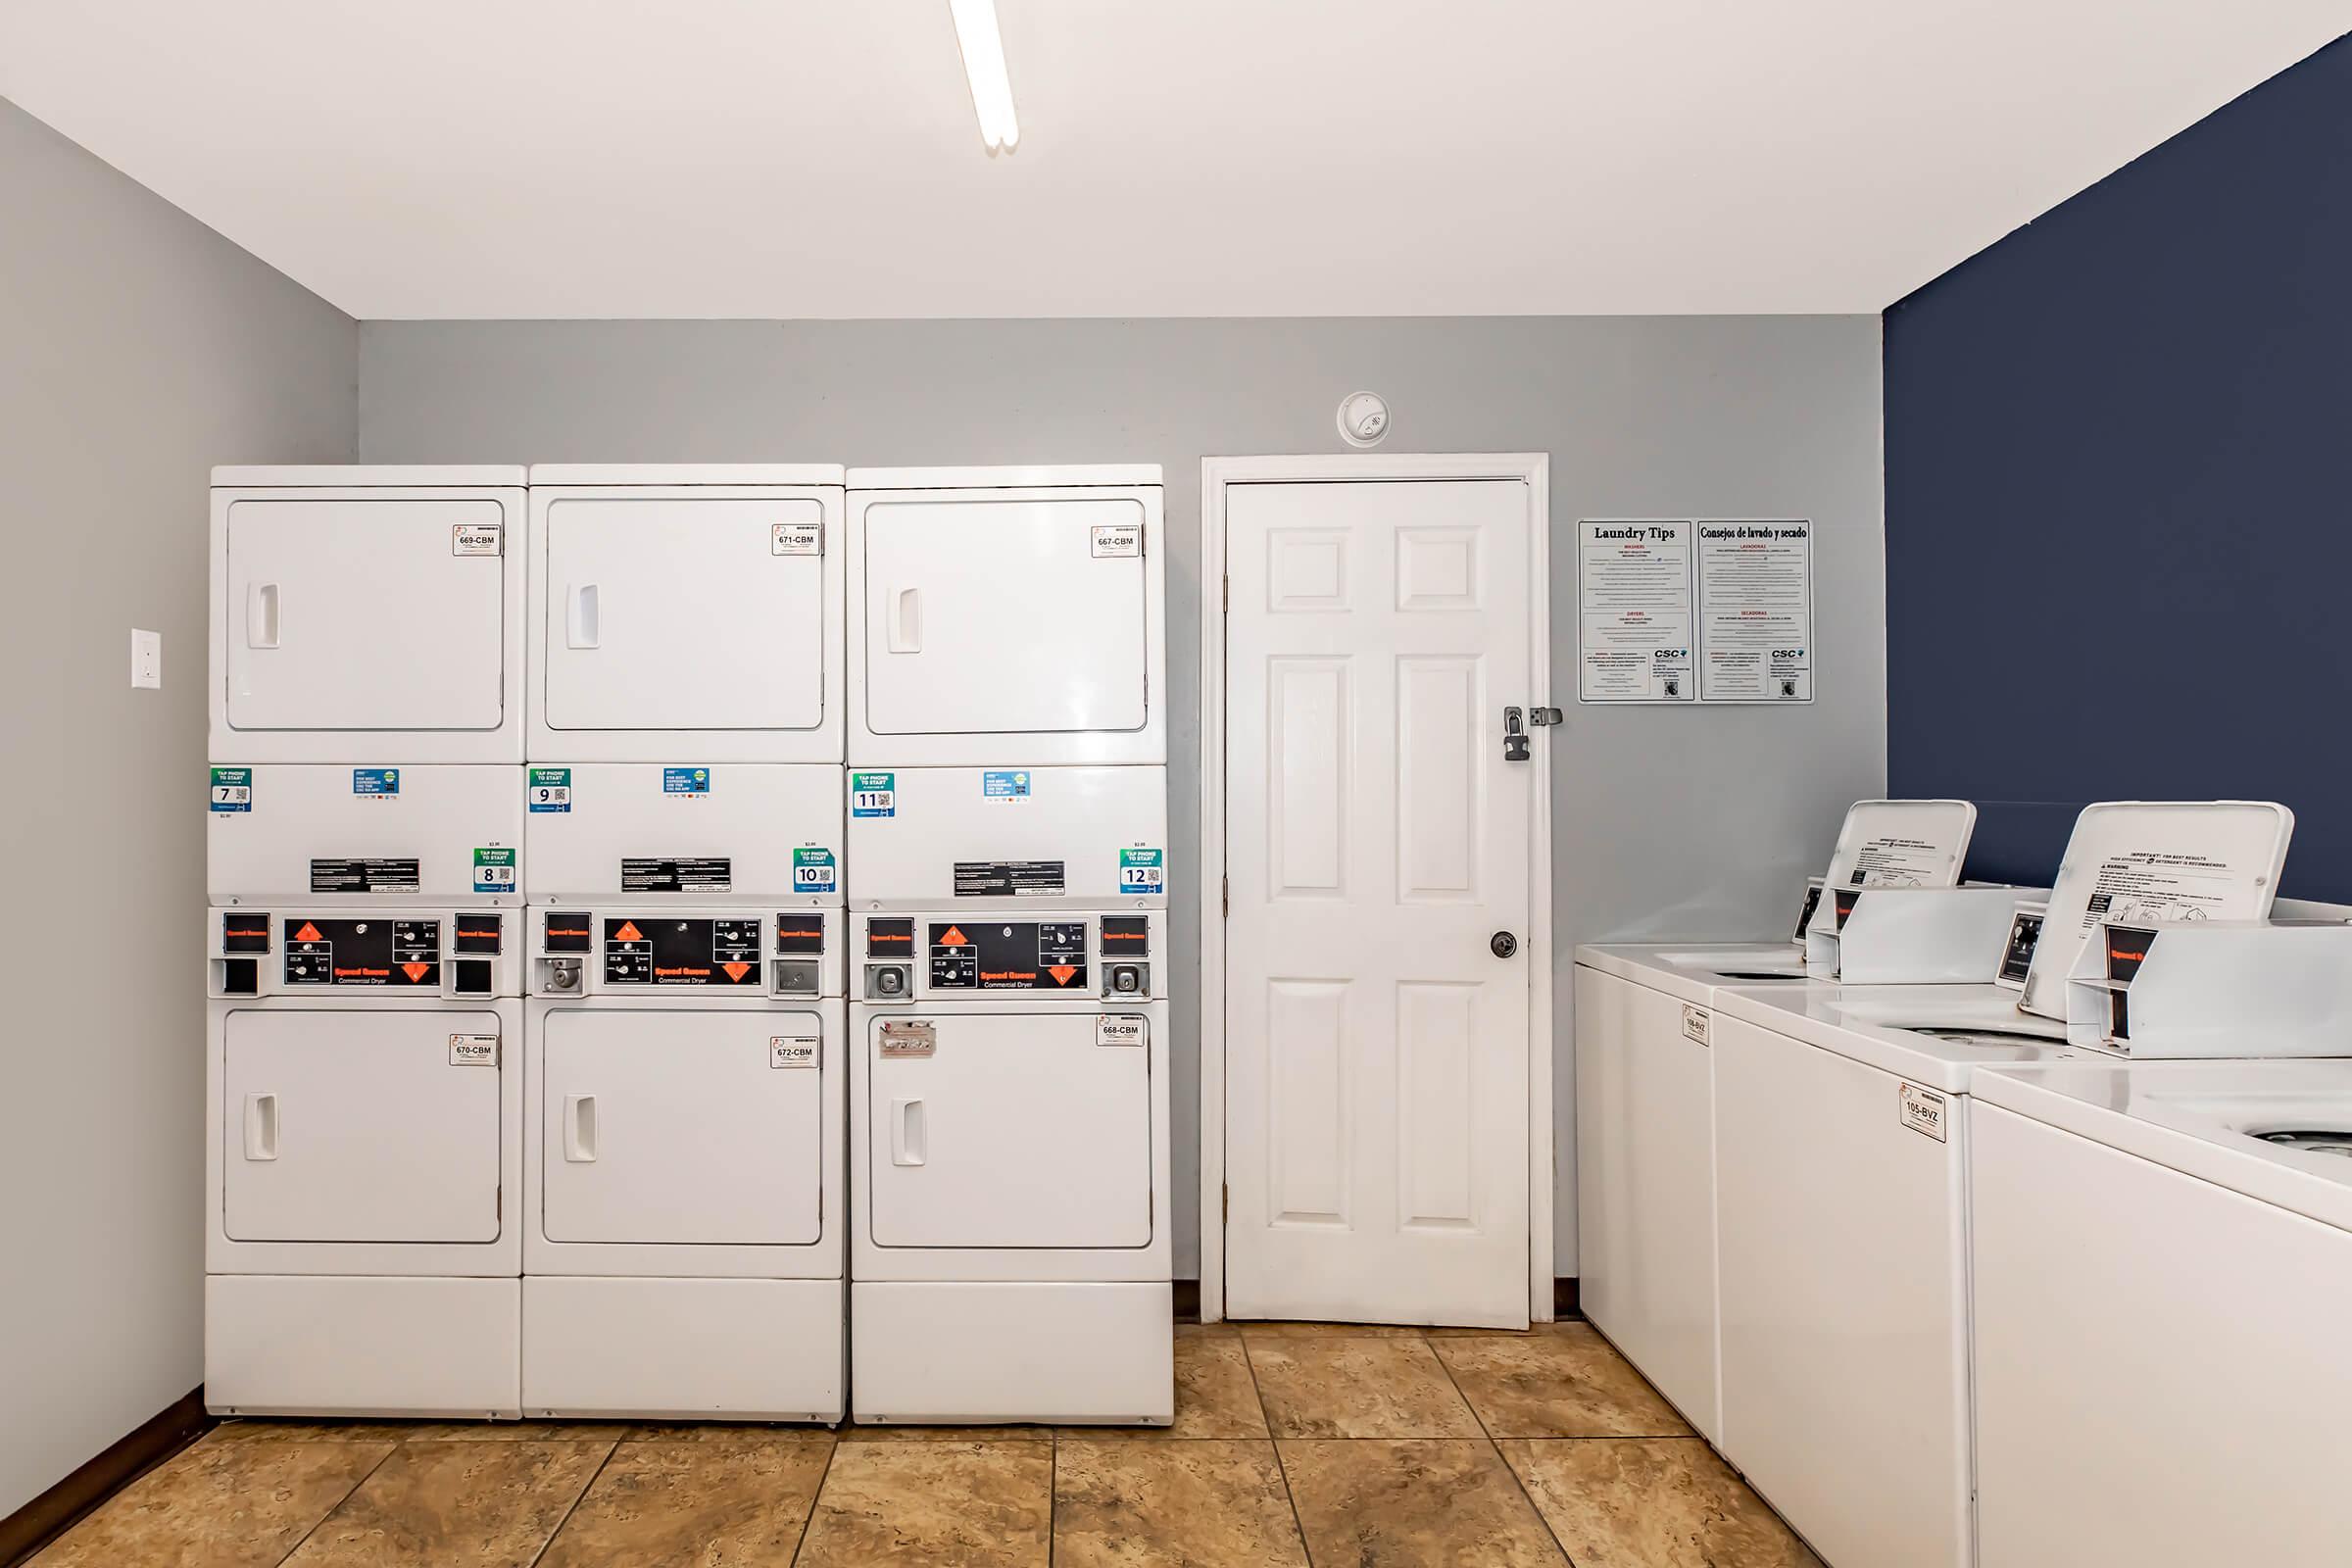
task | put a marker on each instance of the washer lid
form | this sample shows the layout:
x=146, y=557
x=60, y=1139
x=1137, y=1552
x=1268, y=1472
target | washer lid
x=1903, y=844
x=2159, y=862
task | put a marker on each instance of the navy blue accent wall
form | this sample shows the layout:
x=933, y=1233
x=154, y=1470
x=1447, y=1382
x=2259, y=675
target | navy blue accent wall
x=2119, y=494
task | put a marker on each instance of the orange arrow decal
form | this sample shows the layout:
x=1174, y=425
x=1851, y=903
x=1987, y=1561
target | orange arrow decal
x=954, y=937
x=628, y=932
x=307, y=933
x=736, y=971
x=416, y=971
x=1062, y=973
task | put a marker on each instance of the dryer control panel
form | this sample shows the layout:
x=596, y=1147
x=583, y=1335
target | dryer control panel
x=580, y=951
x=433, y=953
x=979, y=955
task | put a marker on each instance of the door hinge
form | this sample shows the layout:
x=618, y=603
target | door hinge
x=1225, y=894
x=1228, y=597
x=1225, y=1203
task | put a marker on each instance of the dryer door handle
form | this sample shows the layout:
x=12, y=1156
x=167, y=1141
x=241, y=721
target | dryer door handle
x=260, y=1126
x=261, y=615
x=580, y=628
x=906, y=621
x=579, y=1129
x=907, y=1132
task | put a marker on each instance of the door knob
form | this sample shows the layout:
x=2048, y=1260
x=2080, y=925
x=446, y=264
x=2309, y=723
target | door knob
x=1505, y=943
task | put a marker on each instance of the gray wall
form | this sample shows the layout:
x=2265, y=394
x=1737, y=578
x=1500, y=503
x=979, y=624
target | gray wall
x=137, y=347
x=1677, y=824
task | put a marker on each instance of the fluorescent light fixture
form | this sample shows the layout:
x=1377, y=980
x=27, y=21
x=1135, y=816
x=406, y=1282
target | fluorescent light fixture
x=983, y=49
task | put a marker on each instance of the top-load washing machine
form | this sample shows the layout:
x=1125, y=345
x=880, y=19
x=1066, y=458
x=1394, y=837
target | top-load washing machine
x=366, y=615
x=1841, y=1148
x=1011, y=1201
x=1646, y=1099
x=685, y=613
x=2160, y=1255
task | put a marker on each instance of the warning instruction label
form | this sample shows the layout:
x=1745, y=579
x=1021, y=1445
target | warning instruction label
x=999, y=879
x=364, y=876
x=704, y=873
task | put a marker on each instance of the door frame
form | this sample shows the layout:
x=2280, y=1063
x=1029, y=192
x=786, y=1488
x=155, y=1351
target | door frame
x=1217, y=474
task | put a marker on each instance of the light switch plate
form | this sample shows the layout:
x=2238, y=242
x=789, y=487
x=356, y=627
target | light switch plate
x=146, y=659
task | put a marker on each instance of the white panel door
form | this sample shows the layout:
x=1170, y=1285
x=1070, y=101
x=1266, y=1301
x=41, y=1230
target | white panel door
x=1377, y=842
x=1014, y=1130
x=684, y=614
x=366, y=615
x=352, y=1126
x=1005, y=617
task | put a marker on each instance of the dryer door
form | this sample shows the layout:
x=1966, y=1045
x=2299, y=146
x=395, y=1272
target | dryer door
x=681, y=1127
x=684, y=614
x=361, y=614
x=1027, y=1130
x=1002, y=617
x=354, y=1126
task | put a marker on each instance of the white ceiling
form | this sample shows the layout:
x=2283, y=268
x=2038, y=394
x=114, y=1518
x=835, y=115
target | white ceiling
x=819, y=158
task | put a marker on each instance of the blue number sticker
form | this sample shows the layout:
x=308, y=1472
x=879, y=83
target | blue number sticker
x=1141, y=871
x=873, y=793
x=550, y=789
x=814, y=870
x=493, y=870
x=233, y=789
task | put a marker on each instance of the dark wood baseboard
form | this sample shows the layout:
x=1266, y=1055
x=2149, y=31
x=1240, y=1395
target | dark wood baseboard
x=49, y=1515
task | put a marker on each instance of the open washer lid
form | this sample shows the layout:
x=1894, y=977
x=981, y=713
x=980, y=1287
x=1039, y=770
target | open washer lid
x=1903, y=844
x=2164, y=861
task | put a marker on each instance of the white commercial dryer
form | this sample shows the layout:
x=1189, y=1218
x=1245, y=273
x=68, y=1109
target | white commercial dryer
x=363, y=1092
x=686, y=605
x=1841, y=1148
x=2160, y=1255
x=1007, y=614
x=1007, y=861
x=362, y=614
x=1645, y=1102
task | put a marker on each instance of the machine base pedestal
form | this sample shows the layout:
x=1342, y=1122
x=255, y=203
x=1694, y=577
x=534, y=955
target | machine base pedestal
x=1067, y=1353
x=682, y=1350
x=336, y=1344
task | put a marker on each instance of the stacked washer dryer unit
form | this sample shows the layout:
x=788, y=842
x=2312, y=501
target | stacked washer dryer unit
x=683, y=1166
x=1008, y=1116
x=364, y=1066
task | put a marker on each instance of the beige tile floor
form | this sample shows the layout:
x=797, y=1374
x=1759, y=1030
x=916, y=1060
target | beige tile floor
x=1296, y=1445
